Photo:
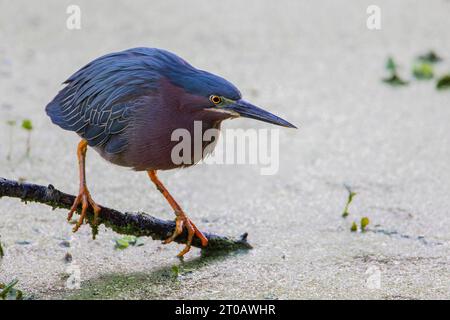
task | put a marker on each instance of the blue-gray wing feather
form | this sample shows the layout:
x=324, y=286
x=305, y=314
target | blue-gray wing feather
x=99, y=100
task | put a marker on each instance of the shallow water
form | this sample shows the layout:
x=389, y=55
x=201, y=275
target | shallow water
x=316, y=65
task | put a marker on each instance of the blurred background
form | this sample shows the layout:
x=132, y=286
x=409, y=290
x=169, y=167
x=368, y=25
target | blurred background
x=316, y=64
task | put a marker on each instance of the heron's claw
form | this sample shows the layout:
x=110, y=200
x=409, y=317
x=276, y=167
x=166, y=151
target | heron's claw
x=84, y=198
x=182, y=221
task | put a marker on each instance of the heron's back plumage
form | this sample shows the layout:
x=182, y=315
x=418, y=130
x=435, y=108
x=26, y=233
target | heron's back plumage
x=99, y=99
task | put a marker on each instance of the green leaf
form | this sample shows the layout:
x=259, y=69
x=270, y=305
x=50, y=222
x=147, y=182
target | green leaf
x=121, y=244
x=176, y=270
x=9, y=292
x=430, y=57
x=364, y=223
x=126, y=241
x=130, y=239
x=391, y=65
x=354, y=227
x=423, y=71
x=351, y=194
x=395, y=80
x=27, y=125
x=350, y=197
x=2, y=253
x=443, y=82
x=19, y=295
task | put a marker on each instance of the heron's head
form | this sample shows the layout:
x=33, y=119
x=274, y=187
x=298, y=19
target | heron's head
x=215, y=95
x=224, y=98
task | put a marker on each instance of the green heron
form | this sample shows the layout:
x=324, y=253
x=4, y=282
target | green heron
x=126, y=105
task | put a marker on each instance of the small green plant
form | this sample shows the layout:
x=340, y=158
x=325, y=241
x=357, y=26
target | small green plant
x=180, y=270
x=27, y=125
x=126, y=241
x=443, y=82
x=423, y=71
x=8, y=292
x=393, y=79
x=430, y=57
x=175, y=271
x=391, y=65
x=11, y=124
x=364, y=223
x=351, y=195
x=364, y=220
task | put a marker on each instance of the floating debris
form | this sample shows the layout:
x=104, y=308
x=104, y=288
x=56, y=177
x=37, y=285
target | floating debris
x=68, y=257
x=8, y=292
x=126, y=241
x=395, y=80
x=364, y=223
x=423, y=71
x=65, y=244
x=28, y=126
x=391, y=65
x=351, y=194
x=430, y=57
x=443, y=82
x=175, y=271
x=23, y=242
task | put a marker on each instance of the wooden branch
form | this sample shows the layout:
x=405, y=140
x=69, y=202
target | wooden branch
x=137, y=224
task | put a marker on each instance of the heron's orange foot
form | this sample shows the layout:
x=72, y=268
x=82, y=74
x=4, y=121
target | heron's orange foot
x=182, y=221
x=83, y=198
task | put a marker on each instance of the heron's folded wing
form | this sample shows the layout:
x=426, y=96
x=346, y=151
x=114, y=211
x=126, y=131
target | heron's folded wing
x=100, y=98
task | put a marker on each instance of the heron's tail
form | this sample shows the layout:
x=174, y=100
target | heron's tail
x=55, y=112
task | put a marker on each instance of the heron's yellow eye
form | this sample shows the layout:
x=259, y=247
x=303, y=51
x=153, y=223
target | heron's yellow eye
x=215, y=99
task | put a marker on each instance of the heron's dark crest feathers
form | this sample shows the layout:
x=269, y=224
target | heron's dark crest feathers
x=99, y=99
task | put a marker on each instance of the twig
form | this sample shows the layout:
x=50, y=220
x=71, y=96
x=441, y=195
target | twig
x=137, y=224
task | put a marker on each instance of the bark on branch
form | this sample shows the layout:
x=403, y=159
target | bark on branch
x=137, y=224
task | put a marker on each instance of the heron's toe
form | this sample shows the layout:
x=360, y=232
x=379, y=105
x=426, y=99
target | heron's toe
x=181, y=222
x=84, y=198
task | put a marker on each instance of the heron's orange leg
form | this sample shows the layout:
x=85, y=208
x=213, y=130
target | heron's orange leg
x=181, y=219
x=84, y=197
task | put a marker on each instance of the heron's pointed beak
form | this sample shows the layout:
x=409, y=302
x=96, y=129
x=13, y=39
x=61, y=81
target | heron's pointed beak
x=247, y=110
